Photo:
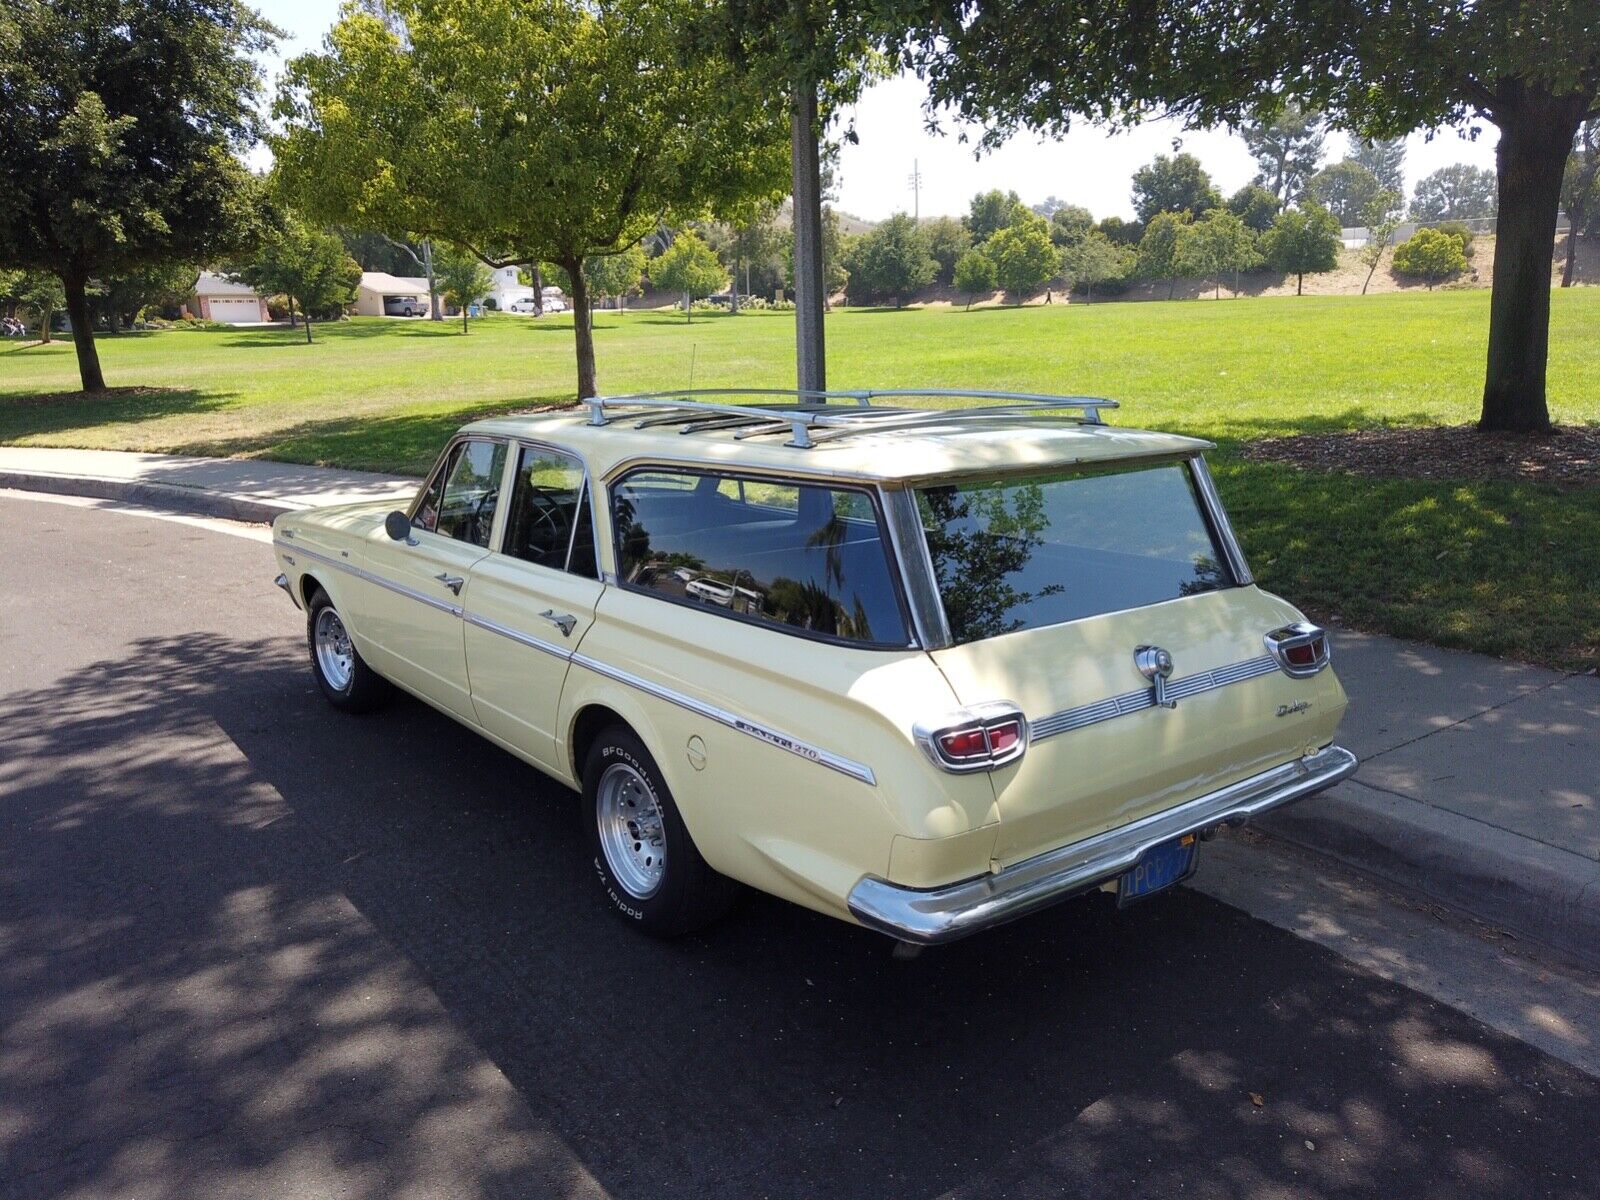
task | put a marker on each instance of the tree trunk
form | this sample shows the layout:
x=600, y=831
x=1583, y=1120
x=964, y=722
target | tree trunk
x=734, y=292
x=688, y=309
x=538, y=289
x=1172, y=287
x=433, y=287
x=291, y=312
x=306, y=312
x=113, y=321
x=89, y=372
x=1371, y=271
x=811, y=372
x=582, y=326
x=463, y=318
x=1536, y=135
x=1572, y=252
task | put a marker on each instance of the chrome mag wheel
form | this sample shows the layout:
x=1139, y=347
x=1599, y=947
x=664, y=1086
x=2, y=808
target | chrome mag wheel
x=633, y=835
x=335, y=655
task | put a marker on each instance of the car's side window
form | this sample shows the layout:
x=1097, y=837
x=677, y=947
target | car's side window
x=427, y=514
x=803, y=556
x=549, y=522
x=472, y=492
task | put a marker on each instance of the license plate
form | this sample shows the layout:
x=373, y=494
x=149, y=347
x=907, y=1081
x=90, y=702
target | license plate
x=1160, y=868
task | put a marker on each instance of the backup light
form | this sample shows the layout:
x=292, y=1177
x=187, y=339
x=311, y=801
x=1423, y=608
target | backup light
x=1301, y=649
x=979, y=737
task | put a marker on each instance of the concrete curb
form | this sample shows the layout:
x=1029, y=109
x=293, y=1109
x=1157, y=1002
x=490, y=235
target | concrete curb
x=1525, y=886
x=197, y=501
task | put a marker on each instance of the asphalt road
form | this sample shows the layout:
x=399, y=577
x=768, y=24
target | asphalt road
x=250, y=948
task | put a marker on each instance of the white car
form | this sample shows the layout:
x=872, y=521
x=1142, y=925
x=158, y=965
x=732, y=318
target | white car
x=526, y=304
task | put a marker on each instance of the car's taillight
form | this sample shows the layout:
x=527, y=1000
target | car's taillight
x=1301, y=649
x=979, y=737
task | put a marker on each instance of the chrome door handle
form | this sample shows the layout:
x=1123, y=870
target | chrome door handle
x=453, y=582
x=565, y=622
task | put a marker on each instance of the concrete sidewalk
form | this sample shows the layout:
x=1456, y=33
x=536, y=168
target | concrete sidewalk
x=1480, y=779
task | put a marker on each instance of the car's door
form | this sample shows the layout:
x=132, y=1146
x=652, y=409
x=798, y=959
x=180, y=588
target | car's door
x=530, y=604
x=412, y=618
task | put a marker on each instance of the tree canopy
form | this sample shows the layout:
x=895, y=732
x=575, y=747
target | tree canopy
x=1458, y=192
x=462, y=278
x=121, y=119
x=1094, y=260
x=1170, y=185
x=309, y=265
x=1432, y=255
x=1255, y=206
x=1377, y=68
x=1385, y=158
x=1344, y=188
x=690, y=267
x=1302, y=241
x=1024, y=257
x=974, y=273
x=536, y=131
x=1287, y=146
x=891, y=262
x=991, y=212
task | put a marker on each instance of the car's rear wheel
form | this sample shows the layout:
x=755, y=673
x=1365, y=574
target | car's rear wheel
x=342, y=674
x=648, y=865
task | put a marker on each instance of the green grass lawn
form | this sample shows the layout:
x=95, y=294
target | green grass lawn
x=1505, y=568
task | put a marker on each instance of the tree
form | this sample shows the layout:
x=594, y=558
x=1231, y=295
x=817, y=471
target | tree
x=1070, y=224
x=1344, y=188
x=947, y=241
x=1302, y=241
x=974, y=273
x=1120, y=231
x=1255, y=206
x=1216, y=245
x=1580, y=192
x=752, y=236
x=1382, y=218
x=1095, y=259
x=121, y=121
x=1286, y=143
x=1379, y=68
x=306, y=264
x=1430, y=254
x=1455, y=193
x=122, y=297
x=1158, y=250
x=1171, y=185
x=891, y=260
x=616, y=276
x=836, y=249
x=41, y=293
x=463, y=279
x=586, y=129
x=991, y=212
x=688, y=266
x=1385, y=158
x=1024, y=257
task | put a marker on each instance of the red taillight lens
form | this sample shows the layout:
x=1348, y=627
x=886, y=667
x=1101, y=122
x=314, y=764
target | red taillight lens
x=1303, y=655
x=1004, y=736
x=964, y=743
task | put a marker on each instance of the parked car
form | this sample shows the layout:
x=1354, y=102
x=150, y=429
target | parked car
x=404, y=306
x=967, y=662
x=523, y=304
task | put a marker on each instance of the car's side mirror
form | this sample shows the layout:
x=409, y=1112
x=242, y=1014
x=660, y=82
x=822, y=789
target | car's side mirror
x=398, y=526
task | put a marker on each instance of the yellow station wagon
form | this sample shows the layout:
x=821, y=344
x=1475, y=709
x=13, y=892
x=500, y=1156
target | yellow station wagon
x=927, y=670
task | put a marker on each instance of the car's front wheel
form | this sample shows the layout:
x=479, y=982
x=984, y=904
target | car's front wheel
x=342, y=674
x=647, y=864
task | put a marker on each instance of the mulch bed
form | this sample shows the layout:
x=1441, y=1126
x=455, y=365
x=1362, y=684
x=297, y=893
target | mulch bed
x=1567, y=457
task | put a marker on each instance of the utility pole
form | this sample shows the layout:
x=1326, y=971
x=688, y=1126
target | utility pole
x=915, y=180
x=811, y=372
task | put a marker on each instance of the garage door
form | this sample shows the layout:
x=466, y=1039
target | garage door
x=233, y=312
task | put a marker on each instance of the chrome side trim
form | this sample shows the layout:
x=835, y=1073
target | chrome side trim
x=762, y=733
x=1142, y=698
x=1220, y=522
x=933, y=915
x=399, y=589
x=517, y=636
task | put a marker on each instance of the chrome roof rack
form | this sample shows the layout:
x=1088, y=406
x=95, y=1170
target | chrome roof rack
x=811, y=413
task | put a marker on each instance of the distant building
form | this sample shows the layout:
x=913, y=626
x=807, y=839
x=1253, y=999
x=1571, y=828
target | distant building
x=218, y=298
x=377, y=286
x=505, y=289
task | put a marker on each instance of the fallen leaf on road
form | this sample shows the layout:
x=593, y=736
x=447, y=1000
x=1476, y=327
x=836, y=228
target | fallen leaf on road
x=1257, y=1099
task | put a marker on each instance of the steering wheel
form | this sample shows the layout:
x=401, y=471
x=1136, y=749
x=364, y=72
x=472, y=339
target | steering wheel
x=480, y=528
x=545, y=515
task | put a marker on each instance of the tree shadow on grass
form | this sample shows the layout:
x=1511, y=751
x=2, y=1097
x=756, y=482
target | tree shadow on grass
x=49, y=414
x=271, y=948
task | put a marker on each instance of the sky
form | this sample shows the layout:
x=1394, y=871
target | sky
x=1091, y=167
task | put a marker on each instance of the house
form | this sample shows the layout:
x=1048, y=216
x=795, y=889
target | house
x=375, y=286
x=218, y=298
x=505, y=289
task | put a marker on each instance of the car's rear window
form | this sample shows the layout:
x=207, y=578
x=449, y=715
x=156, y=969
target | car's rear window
x=804, y=557
x=1020, y=553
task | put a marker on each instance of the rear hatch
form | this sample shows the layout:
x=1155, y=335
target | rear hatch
x=1051, y=584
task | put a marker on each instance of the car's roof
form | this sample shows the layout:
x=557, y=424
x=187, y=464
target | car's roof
x=965, y=445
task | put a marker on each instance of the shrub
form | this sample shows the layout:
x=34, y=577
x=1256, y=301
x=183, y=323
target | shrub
x=1431, y=255
x=1457, y=229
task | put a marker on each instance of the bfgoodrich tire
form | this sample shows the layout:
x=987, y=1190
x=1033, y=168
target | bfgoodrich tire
x=342, y=674
x=648, y=867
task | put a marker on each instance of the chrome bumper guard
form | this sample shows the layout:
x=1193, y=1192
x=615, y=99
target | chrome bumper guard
x=944, y=914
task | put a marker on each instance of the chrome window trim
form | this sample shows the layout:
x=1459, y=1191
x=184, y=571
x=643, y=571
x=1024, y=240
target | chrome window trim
x=910, y=544
x=762, y=733
x=1142, y=698
x=585, y=493
x=497, y=526
x=754, y=729
x=1220, y=523
x=439, y=464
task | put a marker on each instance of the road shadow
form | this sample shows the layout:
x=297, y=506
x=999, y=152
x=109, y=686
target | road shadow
x=206, y=873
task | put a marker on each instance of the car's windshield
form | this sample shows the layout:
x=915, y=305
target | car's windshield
x=1020, y=553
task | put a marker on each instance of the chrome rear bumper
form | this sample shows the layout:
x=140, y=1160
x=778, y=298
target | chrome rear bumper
x=958, y=909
